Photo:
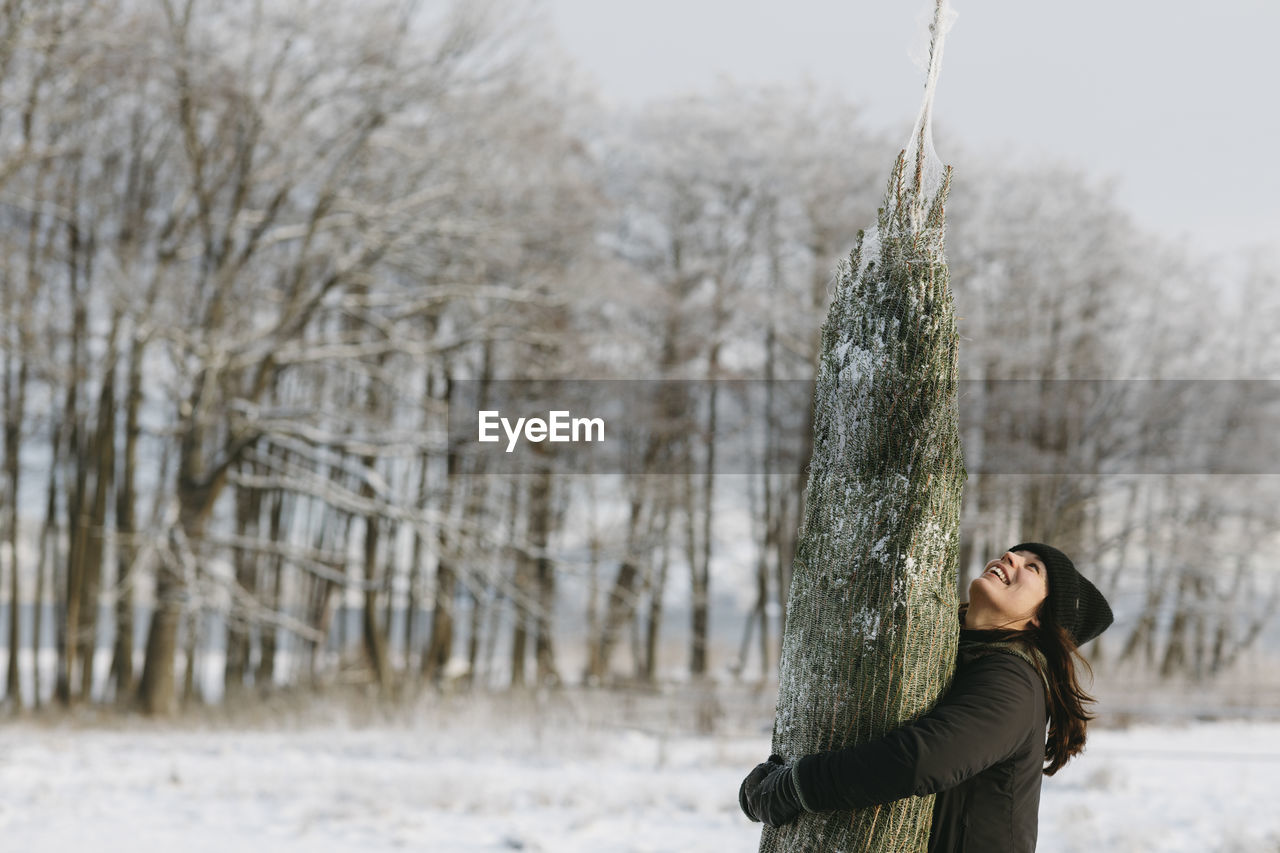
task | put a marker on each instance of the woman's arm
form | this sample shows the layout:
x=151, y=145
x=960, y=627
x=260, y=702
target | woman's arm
x=984, y=718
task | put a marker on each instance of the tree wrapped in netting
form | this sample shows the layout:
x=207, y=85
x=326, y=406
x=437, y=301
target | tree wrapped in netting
x=871, y=628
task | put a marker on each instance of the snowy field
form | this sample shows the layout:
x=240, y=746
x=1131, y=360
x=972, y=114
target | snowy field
x=484, y=780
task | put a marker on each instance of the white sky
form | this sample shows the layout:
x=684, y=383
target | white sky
x=1174, y=100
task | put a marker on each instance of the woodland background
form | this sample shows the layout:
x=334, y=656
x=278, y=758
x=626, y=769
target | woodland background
x=248, y=250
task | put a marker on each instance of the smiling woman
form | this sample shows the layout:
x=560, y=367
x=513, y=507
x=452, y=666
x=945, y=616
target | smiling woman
x=982, y=749
x=1008, y=594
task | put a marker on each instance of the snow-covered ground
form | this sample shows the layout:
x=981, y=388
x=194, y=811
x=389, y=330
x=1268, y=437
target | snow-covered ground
x=482, y=782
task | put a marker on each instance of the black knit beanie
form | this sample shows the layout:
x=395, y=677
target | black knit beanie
x=1076, y=603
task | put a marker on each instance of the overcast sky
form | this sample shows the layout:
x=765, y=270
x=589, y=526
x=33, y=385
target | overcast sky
x=1175, y=100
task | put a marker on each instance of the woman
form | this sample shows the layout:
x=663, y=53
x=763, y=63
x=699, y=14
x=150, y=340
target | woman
x=982, y=748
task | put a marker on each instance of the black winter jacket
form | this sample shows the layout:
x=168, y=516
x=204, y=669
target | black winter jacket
x=981, y=750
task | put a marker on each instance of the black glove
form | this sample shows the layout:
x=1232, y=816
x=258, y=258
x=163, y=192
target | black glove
x=747, y=790
x=769, y=793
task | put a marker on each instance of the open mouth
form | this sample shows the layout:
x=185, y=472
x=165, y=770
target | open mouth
x=998, y=571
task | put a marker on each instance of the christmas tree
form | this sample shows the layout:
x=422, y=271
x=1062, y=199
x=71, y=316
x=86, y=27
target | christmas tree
x=871, y=628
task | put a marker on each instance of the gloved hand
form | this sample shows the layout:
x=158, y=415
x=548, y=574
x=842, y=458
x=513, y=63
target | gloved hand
x=769, y=793
x=747, y=790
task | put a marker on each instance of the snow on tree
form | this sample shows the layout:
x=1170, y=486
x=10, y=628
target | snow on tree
x=871, y=626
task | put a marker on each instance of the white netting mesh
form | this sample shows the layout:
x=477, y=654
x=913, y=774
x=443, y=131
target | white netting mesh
x=929, y=167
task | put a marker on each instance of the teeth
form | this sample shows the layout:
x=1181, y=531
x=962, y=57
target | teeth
x=999, y=572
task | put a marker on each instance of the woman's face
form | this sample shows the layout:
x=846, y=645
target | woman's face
x=1011, y=588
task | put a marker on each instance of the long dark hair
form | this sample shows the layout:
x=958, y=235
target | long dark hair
x=1067, y=700
x=1068, y=717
